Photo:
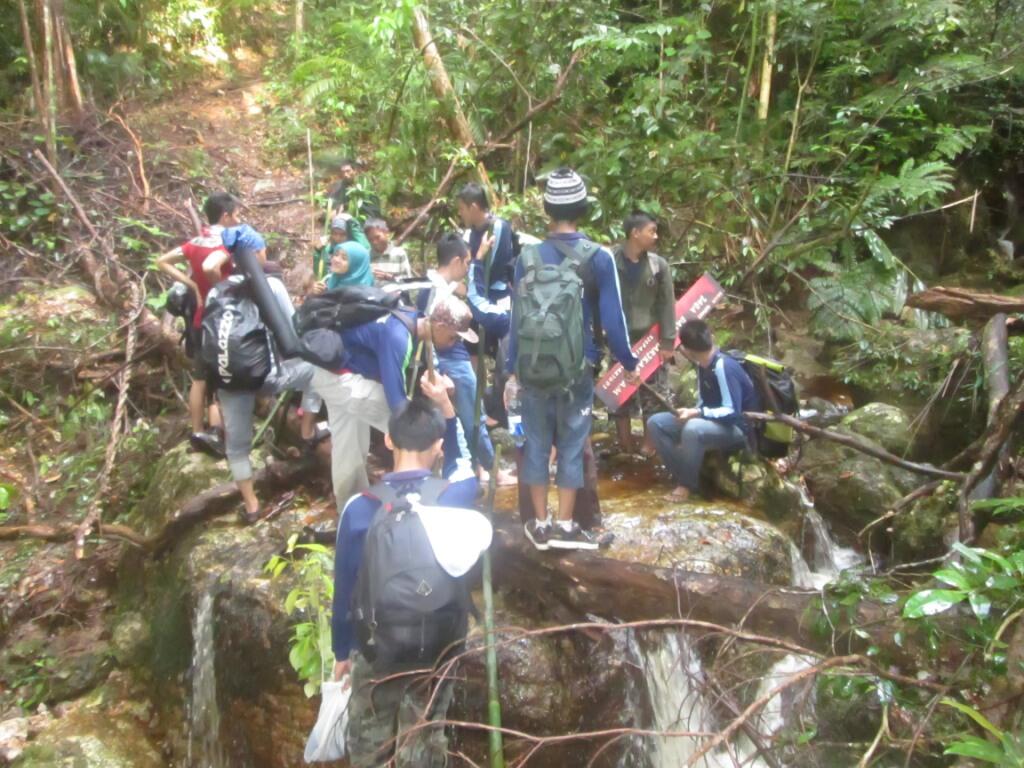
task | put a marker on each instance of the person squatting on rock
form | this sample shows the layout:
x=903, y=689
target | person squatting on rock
x=194, y=254
x=561, y=286
x=385, y=705
x=369, y=388
x=238, y=405
x=647, y=298
x=724, y=392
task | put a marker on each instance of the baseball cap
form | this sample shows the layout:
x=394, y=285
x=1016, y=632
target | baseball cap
x=454, y=313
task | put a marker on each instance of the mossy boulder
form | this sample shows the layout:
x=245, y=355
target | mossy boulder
x=920, y=531
x=753, y=481
x=851, y=488
x=179, y=475
x=884, y=424
x=106, y=729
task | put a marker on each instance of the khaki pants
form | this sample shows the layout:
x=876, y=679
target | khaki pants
x=354, y=404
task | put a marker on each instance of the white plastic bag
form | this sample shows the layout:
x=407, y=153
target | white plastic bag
x=326, y=742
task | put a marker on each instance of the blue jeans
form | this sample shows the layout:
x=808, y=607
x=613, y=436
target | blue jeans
x=681, y=446
x=562, y=420
x=464, y=377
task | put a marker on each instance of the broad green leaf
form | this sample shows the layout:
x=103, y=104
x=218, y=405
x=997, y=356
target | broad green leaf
x=929, y=602
x=954, y=578
x=975, y=715
x=978, y=748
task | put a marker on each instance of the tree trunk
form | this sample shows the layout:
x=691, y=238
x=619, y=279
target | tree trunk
x=768, y=63
x=33, y=65
x=300, y=23
x=49, y=84
x=72, y=89
x=440, y=82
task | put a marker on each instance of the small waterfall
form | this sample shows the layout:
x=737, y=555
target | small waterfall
x=204, y=747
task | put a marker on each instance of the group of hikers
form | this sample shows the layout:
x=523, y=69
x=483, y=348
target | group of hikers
x=533, y=316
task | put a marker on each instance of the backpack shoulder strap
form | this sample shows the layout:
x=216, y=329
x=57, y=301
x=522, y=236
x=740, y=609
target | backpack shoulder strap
x=577, y=255
x=383, y=493
x=530, y=256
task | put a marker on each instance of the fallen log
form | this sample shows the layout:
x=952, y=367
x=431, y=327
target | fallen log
x=589, y=584
x=964, y=304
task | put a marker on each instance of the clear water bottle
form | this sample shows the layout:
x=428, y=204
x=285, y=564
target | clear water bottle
x=515, y=413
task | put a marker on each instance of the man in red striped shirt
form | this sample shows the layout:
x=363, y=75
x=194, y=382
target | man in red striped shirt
x=192, y=255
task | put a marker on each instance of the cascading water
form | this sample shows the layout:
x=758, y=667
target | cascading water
x=204, y=747
x=674, y=676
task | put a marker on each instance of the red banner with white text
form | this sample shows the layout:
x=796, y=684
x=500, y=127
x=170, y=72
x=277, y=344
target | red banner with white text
x=695, y=304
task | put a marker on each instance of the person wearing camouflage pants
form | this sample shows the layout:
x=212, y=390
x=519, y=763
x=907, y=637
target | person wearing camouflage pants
x=381, y=708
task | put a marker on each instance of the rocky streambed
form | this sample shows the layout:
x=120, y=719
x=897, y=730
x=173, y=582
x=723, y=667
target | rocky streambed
x=183, y=658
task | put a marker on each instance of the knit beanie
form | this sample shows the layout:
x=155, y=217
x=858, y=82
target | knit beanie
x=565, y=195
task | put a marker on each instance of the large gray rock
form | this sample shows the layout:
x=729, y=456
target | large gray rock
x=884, y=424
x=851, y=488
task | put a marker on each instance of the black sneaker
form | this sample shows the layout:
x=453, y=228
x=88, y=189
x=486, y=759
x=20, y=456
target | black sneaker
x=538, y=535
x=574, y=538
x=209, y=443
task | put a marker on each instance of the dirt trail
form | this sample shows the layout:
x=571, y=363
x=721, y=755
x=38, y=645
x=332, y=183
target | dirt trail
x=218, y=136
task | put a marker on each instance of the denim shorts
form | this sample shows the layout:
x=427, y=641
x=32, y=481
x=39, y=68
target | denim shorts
x=563, y=420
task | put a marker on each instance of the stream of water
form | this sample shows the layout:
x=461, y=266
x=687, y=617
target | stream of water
x=204, y=746
x=675, y=690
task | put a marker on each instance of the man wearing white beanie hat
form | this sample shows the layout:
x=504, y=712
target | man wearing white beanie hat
x=556, y=380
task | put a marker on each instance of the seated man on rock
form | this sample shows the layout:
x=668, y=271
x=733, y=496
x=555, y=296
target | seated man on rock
x=724, y=392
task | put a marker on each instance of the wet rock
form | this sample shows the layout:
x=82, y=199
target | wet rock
x=884, y=424
x=707, y=539
x=92, y=737
x=130, y=639
x=752, y=480
x=13, y=738
x=549, y=685
x=920, y=530
x=850, y=488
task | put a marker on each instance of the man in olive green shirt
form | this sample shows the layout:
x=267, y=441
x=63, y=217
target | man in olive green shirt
x=648, y=297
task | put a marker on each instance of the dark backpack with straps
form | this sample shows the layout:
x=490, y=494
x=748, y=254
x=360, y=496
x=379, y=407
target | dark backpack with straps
x=235, y=348
x=345, y=307
x=548, y=317
x=407, y=610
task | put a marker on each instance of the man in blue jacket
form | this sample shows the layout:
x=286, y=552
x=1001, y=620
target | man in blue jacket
x=380, y=711
x=370, y=387
x=563, y=419
x=724, y=392
x=494, y=247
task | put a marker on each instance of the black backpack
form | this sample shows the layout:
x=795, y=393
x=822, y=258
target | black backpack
x=407, y=610
x=235, y=347
x=345, y=307
x=778, y=393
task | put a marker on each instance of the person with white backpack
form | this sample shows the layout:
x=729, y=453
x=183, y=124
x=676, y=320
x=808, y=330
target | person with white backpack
x=401, y=592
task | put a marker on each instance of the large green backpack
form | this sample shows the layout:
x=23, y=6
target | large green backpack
x=548, y=317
